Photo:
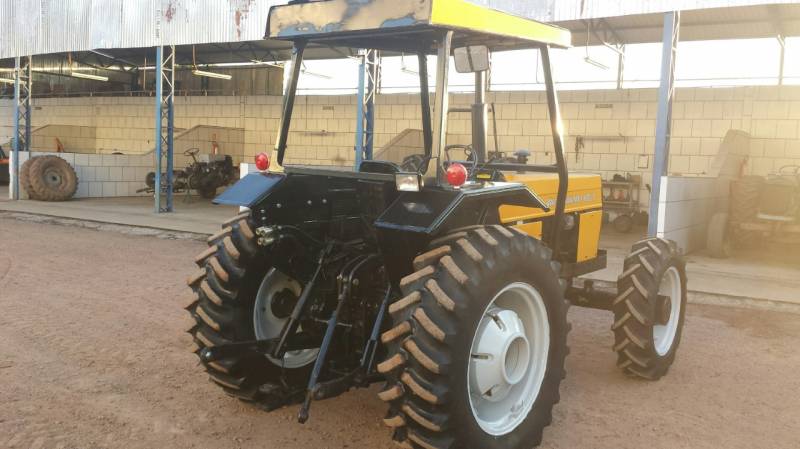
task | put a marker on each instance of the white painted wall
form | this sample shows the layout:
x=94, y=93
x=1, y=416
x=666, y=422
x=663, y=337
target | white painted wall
x=618, y=126
x=103, y=175
x=686, y=207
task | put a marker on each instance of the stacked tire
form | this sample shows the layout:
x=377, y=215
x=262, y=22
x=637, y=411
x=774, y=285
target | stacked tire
x=48, y=178
x=744, y=200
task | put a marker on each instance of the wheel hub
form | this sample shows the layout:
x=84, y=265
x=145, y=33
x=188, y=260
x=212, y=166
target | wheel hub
x=508, y=359
x=274, y=303
x=52, y=178
x=663, y=310
x=668, y=311
x=283, y=303
x=502, y=353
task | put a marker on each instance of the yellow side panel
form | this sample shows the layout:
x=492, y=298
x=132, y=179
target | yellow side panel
x=589, y=234
x=584, y=192
x=533, y=229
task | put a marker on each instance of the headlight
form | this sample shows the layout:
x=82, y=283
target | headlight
x=569, y=222
x=408, y=182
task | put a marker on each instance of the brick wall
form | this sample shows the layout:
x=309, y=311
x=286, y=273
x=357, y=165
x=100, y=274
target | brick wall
x=617, y=126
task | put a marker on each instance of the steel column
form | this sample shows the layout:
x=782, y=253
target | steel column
x=165, y=95
x=358, y=148
x=666, y=92
x=620, y=65
x=368, y=80
x=440, y=104
x=23, y=89
x=782, y=61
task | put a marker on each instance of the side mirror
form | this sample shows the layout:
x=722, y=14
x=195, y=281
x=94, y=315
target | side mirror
x=474, y=58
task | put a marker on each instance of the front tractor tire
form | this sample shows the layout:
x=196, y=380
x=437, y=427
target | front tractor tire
x=650, y=309
x=233, y=277
x=477, y=344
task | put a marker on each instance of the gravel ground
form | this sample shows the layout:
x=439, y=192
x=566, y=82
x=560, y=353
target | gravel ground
x=93, y=355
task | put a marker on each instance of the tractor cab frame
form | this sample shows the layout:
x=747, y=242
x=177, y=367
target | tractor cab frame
x=441, y=28
x=458, y=280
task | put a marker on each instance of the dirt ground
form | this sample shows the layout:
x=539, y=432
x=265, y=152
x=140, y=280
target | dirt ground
x=93, y=355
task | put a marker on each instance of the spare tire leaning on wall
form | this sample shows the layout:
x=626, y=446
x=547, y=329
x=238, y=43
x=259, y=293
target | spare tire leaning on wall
x=49, y=178
x=25, y=178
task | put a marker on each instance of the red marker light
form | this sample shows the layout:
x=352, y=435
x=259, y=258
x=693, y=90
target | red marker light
x=456, y=175
x=262, y=161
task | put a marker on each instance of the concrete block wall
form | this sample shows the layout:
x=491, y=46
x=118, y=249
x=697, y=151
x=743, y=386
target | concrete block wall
x=6, y=122
x=103, y=175
x=75, y=139
x=617, y=127
x=686, y=207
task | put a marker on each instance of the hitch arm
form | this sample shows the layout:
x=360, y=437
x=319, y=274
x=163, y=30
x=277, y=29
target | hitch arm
x=368, y=359
x=299, y=342
x=294, y=320
x=345, y=291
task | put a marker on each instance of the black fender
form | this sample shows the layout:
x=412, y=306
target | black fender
x=409, y=224
x=250, y=190
x=436, y=211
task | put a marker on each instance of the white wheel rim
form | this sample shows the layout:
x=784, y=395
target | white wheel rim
x=268, y=325
x=664, y=334
x=508, y=358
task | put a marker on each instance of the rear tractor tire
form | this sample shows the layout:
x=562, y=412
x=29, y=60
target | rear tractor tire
x=230, y=303
x=718, y=241
x=650, y=309
x=207, y=192
x=744, y=199
x=477, y=343
x=52, y=179
x=25, y=178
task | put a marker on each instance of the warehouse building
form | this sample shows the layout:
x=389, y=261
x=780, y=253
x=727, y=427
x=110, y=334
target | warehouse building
x=101, y=94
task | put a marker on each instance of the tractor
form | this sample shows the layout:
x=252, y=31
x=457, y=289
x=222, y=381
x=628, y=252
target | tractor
x=763, y=212
x=5, y=174
x=445, y=279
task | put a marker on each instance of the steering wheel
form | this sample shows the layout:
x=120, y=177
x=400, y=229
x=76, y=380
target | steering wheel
x=472, y=157
x=412, y=163
x=193, y=153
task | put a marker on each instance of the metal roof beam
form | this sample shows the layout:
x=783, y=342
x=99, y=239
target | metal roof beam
x=131, y=65
x=777, y=21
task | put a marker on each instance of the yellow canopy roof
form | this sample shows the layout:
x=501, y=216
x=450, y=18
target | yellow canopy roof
x=357, y=21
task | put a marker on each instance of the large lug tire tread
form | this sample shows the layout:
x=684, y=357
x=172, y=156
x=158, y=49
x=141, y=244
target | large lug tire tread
x=431, y=324
x=224, y=288
x=25, y=177
x=717, y=239
x=635, y=308
x=44, y=192
x=744, y=199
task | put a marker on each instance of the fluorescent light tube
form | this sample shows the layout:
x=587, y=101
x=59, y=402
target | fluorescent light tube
x=221, y=76
x=6, y=80
x=88, y=77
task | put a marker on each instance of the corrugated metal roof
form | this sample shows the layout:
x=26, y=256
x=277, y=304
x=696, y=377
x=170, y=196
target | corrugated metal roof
x=31, y=27
x=567, y=10
x=34, y=27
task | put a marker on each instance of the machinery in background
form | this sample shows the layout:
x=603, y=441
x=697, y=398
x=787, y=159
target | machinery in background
x=5, y=175
x=621, y=198
x=205, y=174
x=762, y=210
